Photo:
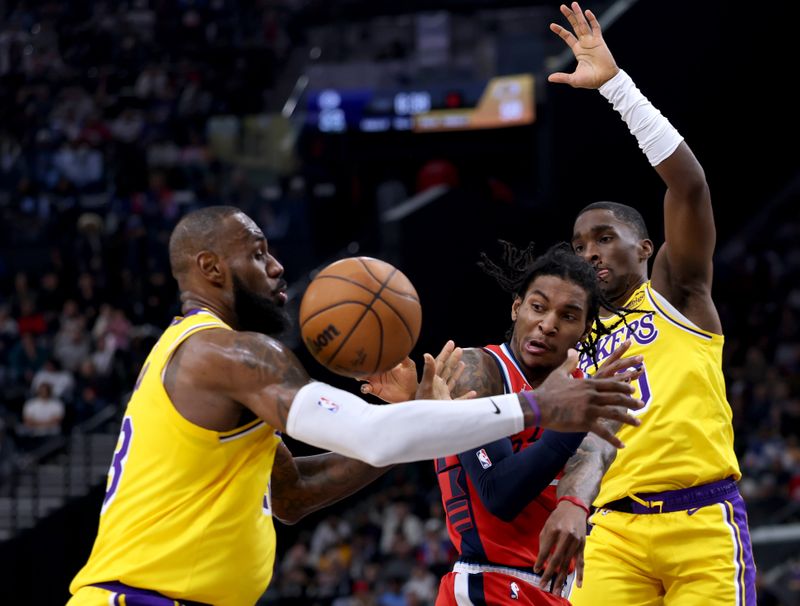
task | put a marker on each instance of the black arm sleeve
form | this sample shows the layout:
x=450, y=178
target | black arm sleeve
x=506, y=481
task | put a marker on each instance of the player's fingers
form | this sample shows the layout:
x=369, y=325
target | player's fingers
x=557, y=561
x=629, y=375
x=428, y=370
x=581, y=25
x=468, y=396
x=456, y=375
x=560, y=580
x=601, y=431
x=567, y=36
x=579, y=568
x=610, y=371
x=367, y=388
x=616, y=413
x=451, y=364
x=567, y=12
x=445, y=353
x=594, y=23
x=559, y=78
x=552, y=570
x=617, y=353
x=613, y=385
x=546, y=538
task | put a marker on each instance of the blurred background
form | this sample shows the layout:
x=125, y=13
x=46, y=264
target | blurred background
x=419, y=132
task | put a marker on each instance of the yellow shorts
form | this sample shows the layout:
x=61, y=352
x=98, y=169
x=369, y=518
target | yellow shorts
x=698, y=556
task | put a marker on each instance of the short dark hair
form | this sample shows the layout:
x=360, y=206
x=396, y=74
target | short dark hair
x=196, y=231
x=624, y=213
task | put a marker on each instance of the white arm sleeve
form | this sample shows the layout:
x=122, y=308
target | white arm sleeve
x=334, y=419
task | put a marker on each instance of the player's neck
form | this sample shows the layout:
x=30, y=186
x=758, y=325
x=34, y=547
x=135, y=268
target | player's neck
x=634, y=283
x=191, y=301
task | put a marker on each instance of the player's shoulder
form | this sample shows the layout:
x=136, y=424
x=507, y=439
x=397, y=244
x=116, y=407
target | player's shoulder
x=223, y=356
x=481, y=373
x=477, y=356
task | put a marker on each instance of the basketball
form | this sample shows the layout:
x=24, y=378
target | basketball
x=360, y=316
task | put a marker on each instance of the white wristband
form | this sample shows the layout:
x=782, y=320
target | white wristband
x=334, y=419
x=657, y=138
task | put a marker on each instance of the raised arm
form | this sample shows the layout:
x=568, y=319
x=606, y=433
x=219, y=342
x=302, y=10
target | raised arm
x=682, y=270
x=302, y=485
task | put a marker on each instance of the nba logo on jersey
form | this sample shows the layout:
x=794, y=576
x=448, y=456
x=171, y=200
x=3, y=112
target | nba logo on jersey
x=484, y=459
x=328, y=404
x=514, y=591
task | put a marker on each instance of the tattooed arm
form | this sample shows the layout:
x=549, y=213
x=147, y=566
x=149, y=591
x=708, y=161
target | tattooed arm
x=585, y=470
x=222, y=377
x=480, y=374
x=302, y=485
x=564, y=534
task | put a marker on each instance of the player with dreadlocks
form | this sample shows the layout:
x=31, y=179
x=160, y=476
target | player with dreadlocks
x=497, y=497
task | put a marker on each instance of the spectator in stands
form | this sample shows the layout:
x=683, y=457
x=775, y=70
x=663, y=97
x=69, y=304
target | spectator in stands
x=398, y=518
x=61, y=381
x=25, y=358
x=42, y=414
x=30, y=319
x=421, y=588
x=72, y=345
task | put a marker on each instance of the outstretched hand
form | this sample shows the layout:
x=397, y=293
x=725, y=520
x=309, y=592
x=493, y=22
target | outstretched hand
x=596, y=64
x=568, y=404
x=615, y=363
x=440, y=375
x=561, y=542
x=398, y=384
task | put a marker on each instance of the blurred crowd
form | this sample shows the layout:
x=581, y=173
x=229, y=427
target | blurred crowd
x=106, y=148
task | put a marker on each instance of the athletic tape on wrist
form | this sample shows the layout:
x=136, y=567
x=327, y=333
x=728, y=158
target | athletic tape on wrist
x=657, y=138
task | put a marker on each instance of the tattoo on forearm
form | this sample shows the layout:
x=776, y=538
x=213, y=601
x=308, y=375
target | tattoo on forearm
x=310, y=483
x=585, y=469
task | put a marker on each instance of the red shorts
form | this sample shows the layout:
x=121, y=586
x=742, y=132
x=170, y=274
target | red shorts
x=492, y=589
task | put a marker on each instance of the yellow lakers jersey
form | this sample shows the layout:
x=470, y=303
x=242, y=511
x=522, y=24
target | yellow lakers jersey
x=686, y=436
x=186, y=510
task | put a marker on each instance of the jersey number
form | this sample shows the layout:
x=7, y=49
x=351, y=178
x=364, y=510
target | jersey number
x=118, y=462
x=643, y=389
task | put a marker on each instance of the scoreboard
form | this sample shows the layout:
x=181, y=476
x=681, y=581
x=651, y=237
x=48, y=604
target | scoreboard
x=503, y=101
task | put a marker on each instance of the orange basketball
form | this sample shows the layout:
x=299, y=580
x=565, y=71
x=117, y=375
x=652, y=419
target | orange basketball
x=360, y=316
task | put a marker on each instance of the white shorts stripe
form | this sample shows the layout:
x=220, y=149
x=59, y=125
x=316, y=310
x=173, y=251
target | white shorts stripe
x=461, y=590
x=737, y=586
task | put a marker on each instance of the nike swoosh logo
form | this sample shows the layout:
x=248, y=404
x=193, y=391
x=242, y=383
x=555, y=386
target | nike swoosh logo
x=693, y=511
x=496, y=409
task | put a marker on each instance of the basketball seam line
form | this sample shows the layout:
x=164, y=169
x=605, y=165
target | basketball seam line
x=368, y=305
x=390, y=289
x=375, y=297
x=399, y=293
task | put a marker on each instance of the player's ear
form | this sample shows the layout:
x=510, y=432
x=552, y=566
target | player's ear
x=210, y=266
x=515, y=308
x=645, y=249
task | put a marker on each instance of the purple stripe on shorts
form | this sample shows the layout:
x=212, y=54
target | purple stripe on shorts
x=141, y=597
x=740, y=522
